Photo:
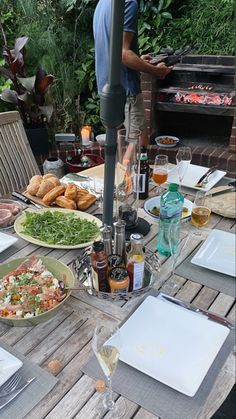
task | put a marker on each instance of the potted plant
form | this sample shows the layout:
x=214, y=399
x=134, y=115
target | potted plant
x=28, y=94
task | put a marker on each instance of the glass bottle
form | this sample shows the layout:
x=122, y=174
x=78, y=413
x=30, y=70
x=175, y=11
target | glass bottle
x=135, y=262
x=99, y=267
x=141, y=180
x=171, y=205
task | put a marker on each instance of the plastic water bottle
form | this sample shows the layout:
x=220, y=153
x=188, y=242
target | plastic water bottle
x=171, y=206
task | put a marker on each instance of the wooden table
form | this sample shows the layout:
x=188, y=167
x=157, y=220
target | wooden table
x=67, y=337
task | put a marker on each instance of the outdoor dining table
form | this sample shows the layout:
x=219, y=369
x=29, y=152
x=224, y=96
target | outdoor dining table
x=67, y=336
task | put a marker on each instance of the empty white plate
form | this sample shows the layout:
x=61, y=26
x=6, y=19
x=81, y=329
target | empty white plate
x=6, y=241
x=192, y=176
x=170, y=343
x=218, y=253
x=9, y=364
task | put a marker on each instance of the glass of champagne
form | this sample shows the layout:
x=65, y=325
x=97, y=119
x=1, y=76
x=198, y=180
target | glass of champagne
x=160, y=172
x=183, y=160
x=201, y=211
x=106, y=344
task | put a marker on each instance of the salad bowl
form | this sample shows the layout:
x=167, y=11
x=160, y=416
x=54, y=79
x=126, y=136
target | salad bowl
x=59, y=271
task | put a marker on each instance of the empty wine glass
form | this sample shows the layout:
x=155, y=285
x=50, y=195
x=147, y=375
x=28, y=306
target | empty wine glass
x=177, y=243
x=183, y=159
x=160, y=172
x=106, y=344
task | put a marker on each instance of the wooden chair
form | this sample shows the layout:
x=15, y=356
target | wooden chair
x=17, y=162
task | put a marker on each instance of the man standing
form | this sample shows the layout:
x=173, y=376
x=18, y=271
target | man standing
x=132, y=63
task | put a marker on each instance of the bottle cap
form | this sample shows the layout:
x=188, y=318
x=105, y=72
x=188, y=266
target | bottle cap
x=136, y=237
x=173, y=187
x=98, y=246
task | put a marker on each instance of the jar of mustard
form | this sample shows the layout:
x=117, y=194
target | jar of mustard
x=118, y=280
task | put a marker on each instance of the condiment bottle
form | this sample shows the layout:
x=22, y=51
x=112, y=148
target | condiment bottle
x=141, y=177
x=99, y=267
x=135, y=262
x=119, y=280
x=114, y=261
x=107, y=238
x=119, y=239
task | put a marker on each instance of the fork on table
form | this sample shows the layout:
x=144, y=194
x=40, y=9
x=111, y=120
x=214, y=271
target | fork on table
x=10, y=384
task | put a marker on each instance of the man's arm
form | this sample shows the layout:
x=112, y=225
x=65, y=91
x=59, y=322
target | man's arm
x=133, y=61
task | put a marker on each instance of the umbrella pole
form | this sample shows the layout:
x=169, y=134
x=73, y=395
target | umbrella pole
x=112, y=107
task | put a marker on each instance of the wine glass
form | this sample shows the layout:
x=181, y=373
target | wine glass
x=106, y=344
x=183, y=159
x=160, y=172
x=201, y=210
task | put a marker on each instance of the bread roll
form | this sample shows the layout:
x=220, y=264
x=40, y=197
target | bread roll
x=81, y=193
x=46, y=186
x=71, y=191
x=64, y=202
x=86, y=202
x=34, y=185
x=49, y=175
x=56, y=191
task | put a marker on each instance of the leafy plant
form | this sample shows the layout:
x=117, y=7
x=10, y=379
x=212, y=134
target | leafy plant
x=28, y=93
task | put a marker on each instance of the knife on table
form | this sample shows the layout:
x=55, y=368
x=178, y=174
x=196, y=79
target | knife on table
x=209, y=172
x=25, y=199
x=7, y=399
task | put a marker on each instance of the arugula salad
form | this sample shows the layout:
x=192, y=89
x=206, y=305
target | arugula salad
x=55, y=227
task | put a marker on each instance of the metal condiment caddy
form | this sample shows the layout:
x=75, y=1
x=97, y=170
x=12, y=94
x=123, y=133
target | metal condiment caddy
x=83, y=271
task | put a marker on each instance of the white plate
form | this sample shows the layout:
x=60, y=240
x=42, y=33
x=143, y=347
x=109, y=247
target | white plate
x=193, y=175
x=160, y=144
x=173, y=345
x=6, y=241
x=9, y=364
x=155, y=202
x=18, y=226
x=218, y=253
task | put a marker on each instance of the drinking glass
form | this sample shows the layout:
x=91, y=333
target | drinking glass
x=201, y=211
x=106, y=344
x=183, y=159
x=98, y=185
x=160, y=172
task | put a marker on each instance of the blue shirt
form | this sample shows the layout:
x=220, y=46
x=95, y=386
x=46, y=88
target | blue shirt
x=130, y=79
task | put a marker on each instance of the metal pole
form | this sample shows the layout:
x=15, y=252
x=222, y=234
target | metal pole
x=112, y=107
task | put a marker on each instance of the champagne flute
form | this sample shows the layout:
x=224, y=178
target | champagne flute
x=106, y=344
x=201, y=211
x=160, y=172
x=183, y=159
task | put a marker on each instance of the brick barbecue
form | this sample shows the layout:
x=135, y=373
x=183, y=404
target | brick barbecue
x=196, y=103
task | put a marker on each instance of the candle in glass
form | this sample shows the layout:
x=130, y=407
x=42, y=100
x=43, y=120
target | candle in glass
x=86, y=134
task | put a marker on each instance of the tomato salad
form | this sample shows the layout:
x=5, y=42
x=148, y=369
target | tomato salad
x=29, y=290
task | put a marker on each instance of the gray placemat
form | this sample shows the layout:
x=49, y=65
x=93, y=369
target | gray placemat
x=35, y=392
x=222, y=182
x=155, y=396
x=216, y=280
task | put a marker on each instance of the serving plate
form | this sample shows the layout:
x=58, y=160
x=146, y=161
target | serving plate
x=218, y=253
x=161, y=144
x=79, y=214
x=155, y=202
x=9, y=364
x=58, y=269
x=6, y=241
x=193, y=175
x=174, y=345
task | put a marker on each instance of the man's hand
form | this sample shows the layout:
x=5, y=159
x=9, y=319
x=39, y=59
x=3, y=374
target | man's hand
x=161, y=70
x=146, y=57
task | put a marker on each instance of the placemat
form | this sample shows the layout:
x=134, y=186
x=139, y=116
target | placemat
x=212, y=279
x=156, y=397
x=35, y=392
x=222, y=182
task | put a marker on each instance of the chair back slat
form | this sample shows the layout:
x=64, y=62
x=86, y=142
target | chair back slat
x=17, y=162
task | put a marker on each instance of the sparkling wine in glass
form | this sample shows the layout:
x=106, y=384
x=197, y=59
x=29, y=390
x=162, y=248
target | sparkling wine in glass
x=201, y=211
x=106, y=344
x=160, y=172
x=183, y=160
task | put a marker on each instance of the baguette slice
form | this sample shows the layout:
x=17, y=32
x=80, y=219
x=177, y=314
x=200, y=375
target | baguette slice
x=50, y=197
x=86, y=202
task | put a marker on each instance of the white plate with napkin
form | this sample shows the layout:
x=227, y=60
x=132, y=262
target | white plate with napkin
x=9, y=364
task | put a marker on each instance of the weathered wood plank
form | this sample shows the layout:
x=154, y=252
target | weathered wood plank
x=222, y=304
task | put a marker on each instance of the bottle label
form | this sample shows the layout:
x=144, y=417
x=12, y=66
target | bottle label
x=138, y=275
x=169, y=214
x=139, y=182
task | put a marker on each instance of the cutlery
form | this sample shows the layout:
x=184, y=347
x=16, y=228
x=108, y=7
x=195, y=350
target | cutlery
x=204, y=178
x=25, y=199
x=220, y=190
x=211, y=316
x=10, y=384
x=8, y=398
